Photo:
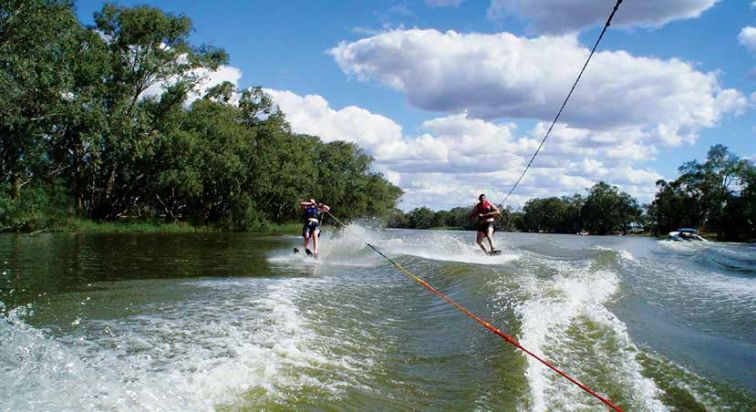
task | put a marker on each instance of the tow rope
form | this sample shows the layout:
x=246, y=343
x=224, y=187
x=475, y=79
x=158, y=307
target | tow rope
x=509, y=339
x=487, y=325
x=564, y=103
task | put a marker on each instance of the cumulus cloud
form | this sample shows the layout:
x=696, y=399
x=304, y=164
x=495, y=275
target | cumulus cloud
x=313, y=115
x=456, y=157
x=747, y=38
x=559, y=16
x=502, y=75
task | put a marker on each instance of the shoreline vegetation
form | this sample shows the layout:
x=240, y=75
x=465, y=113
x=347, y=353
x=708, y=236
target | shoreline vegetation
x=716, y=197
x=112, y=122
x=108, y=129
x=79, y=225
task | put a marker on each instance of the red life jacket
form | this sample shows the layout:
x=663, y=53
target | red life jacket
x=485, y=207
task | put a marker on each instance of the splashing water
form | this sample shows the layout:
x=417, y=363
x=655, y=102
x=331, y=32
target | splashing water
x=233, y=321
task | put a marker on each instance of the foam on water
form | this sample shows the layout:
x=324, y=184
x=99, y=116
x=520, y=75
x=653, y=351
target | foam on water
x=573, y=303
x=199, y=354
x=340, y=248
x=678, y=246
x=347, y=247
x=283, y=341
x=624, y=254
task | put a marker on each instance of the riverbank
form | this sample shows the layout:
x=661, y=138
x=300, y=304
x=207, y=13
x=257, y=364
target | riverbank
x=77, y=225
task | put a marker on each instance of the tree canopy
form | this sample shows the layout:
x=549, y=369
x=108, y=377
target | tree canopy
x=717, y=195
x=108, y=121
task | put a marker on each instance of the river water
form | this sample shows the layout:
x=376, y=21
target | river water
x=222, y=321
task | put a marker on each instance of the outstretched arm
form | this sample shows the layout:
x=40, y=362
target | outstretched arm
x=324, y=207
x=304, y=204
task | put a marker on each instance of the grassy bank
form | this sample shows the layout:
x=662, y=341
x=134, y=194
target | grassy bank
x=79, y=225
x=75, y=225
x=282, y=229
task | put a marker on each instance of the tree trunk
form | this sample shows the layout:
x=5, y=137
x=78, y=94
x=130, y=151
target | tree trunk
x=16, y=192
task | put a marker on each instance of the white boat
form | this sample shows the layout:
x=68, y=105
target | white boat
x=685, y=234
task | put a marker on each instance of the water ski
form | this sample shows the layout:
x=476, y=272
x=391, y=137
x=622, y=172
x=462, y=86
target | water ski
x=308, y=252
x=495, y=252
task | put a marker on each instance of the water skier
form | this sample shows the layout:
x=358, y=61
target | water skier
x=486, y=213
x=311, y=228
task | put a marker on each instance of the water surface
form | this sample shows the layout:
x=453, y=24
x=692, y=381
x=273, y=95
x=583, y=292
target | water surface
x=236, y=321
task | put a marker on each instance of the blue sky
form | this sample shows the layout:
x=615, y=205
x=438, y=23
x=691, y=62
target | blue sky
x=450, y=97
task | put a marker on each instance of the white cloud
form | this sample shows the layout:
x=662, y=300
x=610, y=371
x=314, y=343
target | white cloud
x=560, y=16
x=312, y=115
x=747, y=38
x=457, y=157
x=208, y=79
x=214, y=78
x=501, y=75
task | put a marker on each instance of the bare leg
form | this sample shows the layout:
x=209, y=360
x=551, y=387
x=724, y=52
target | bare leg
x=489, y=236
x=479, y=240
x=315, y=241
x=306, y=241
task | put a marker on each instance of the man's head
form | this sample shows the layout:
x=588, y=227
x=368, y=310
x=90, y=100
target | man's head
x=482, y=197
x=312, y=200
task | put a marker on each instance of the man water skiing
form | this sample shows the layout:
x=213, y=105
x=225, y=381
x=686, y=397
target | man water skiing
x=311, y=228
x=486, y=213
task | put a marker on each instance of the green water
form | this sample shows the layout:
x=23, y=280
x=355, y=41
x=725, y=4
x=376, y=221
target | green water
x=215, y=321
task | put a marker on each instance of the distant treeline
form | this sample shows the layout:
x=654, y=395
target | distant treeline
x=718, y=196
x=605, y=209
x=80, y=137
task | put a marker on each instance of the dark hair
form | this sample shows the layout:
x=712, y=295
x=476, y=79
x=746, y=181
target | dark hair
x=482, y=195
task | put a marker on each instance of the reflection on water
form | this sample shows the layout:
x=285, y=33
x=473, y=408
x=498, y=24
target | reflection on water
x=207, y=321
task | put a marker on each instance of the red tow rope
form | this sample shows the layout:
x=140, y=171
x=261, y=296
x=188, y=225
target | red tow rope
x=485, y=324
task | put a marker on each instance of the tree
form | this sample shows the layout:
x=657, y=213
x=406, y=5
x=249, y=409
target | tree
x=398, y=219
x=146, y=46
x=344, y=180
x=421, y=218
x=98, y=117
x=460, y=217
x=716, y=195
x=37, y=45
x=439, y=218
x=712, y=182
x=606, y=209
x=674, y=207
x=543, y=215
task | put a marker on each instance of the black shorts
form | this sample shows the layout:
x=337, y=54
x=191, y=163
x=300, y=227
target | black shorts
x=483, y=226
x=311, y=228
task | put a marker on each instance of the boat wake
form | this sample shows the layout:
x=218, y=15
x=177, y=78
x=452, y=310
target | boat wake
x=347, y=247
x=245, y=336
x=569, y=312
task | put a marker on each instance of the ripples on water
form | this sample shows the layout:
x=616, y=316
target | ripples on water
x=226, y=321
